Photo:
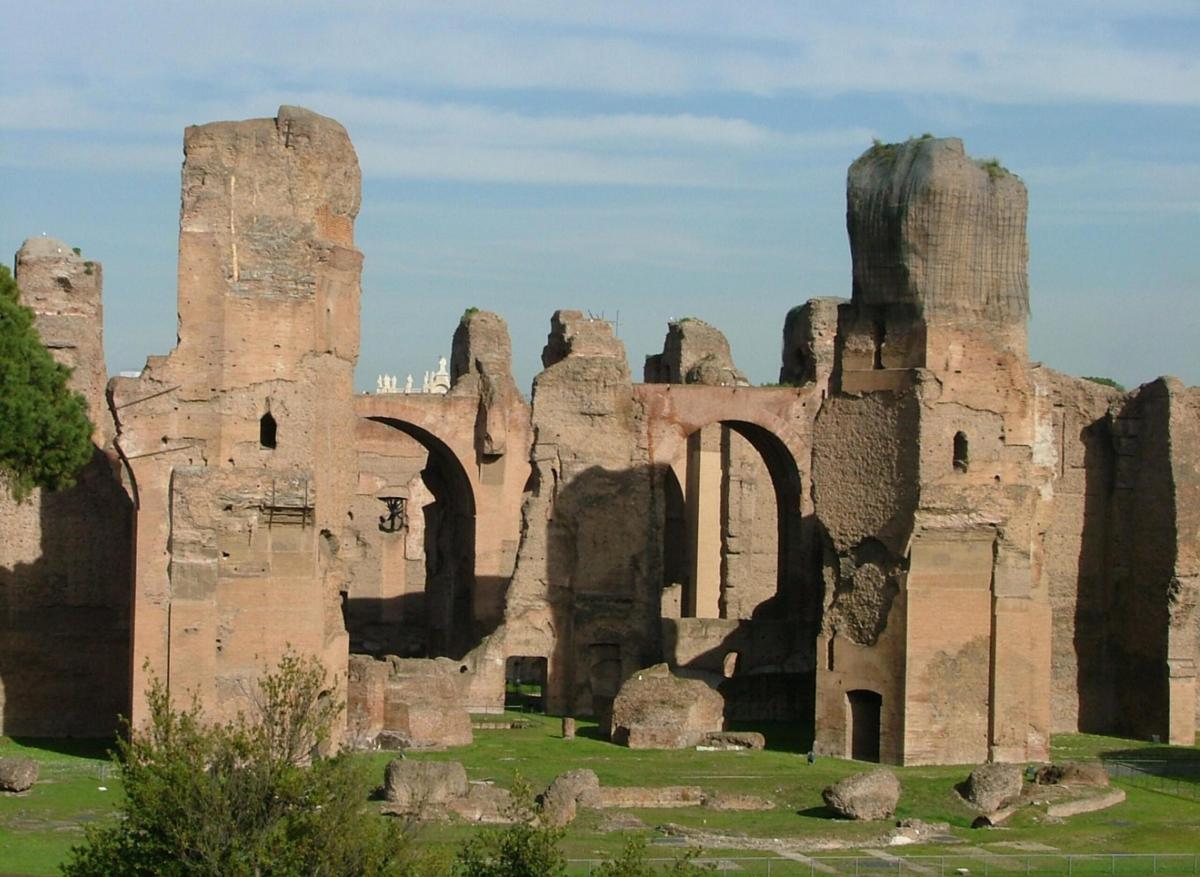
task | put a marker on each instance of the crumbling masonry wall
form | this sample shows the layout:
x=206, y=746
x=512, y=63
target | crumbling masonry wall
x=65, y=557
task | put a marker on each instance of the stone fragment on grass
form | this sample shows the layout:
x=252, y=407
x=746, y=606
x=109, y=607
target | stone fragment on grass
x=567, y=790
x=991, y=785
x=871, y=795
x=17, y=774
x=1078, y=773
x=656, y=709
x=413, y=785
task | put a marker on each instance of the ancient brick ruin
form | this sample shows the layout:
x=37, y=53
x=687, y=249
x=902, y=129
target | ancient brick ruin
x=923, y=544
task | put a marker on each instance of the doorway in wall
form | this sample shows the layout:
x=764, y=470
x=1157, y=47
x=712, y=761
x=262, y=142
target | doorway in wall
x=525, y=683
x=864, y=711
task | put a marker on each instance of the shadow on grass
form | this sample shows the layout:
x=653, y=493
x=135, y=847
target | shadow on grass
x=794, y=737
x=821, y=812
x=97, y=748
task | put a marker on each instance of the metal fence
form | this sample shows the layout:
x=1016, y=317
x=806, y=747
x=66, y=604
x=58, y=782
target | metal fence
x=1172, y=776
x=964, y=864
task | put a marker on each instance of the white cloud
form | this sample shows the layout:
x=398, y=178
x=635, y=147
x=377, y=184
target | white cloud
x=1023, y=52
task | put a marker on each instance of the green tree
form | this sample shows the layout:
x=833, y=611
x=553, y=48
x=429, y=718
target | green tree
x=45, y=435
x=253, y=796
x=525, y=848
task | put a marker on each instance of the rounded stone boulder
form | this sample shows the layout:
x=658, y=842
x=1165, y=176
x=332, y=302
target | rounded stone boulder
x=871, y=795
x=991, y=785
x=17, y=774
x=415, y=785
x=568, y=789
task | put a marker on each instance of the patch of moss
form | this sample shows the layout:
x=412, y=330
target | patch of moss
x=1107, y=382
x=994, y=169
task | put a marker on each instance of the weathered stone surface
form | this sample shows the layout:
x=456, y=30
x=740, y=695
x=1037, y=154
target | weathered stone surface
x=871, y=795
x=645, y=796
x=1072, y=772
x=565, y=792
x=486, y=803
x=694, y=353
x=809, y=338
x=935, y=230
x=735, y=801
x=658, y=710
x=424, y=702
x=990, y=786
x=17, y=774
x=413, y=785
x=736, y=740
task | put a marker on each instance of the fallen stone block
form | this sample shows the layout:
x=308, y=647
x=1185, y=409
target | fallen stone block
x=657, y=710
x=871, y=795
x=990, y=786
x=413, y=785
x=17, y=774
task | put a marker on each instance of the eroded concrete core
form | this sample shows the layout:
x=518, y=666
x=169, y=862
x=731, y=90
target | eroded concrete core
x=920, y=543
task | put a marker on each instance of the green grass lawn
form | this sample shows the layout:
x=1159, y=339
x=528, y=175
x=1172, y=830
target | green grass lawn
x=37, y=829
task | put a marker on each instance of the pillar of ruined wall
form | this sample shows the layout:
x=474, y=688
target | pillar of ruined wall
x=694, y=353
x=809, y=339
x=241, y=441
x=1073, y=445
x=1156, y=560
x=936, y=328
x=481, y=369
x=65, y=556
x=585, y=594
x=64, y=291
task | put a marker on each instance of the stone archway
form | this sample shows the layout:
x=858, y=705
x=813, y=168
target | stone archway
x=423, y=569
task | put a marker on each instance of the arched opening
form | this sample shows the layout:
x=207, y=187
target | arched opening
x=267, y=431
x=731, y=537
x=748, y=620
x=863, y=713
x=878, y=336
x=415, y=595
x=961, y=452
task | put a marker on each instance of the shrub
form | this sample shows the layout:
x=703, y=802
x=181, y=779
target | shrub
x=523, y=849
x=632, y=863
x=253, y=796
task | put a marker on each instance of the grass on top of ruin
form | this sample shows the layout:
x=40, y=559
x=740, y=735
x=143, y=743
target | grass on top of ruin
x=38, y=828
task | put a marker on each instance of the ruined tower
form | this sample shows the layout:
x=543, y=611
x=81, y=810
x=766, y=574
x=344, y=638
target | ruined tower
x=240, y=443
x=935, y=643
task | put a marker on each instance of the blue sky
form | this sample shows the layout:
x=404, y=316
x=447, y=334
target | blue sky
x=652, y=160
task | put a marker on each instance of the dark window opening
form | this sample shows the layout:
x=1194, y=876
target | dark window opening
x=865, y=708
x=961, y=457
x=266, y=431
x=878, y=336
x=829, y=654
